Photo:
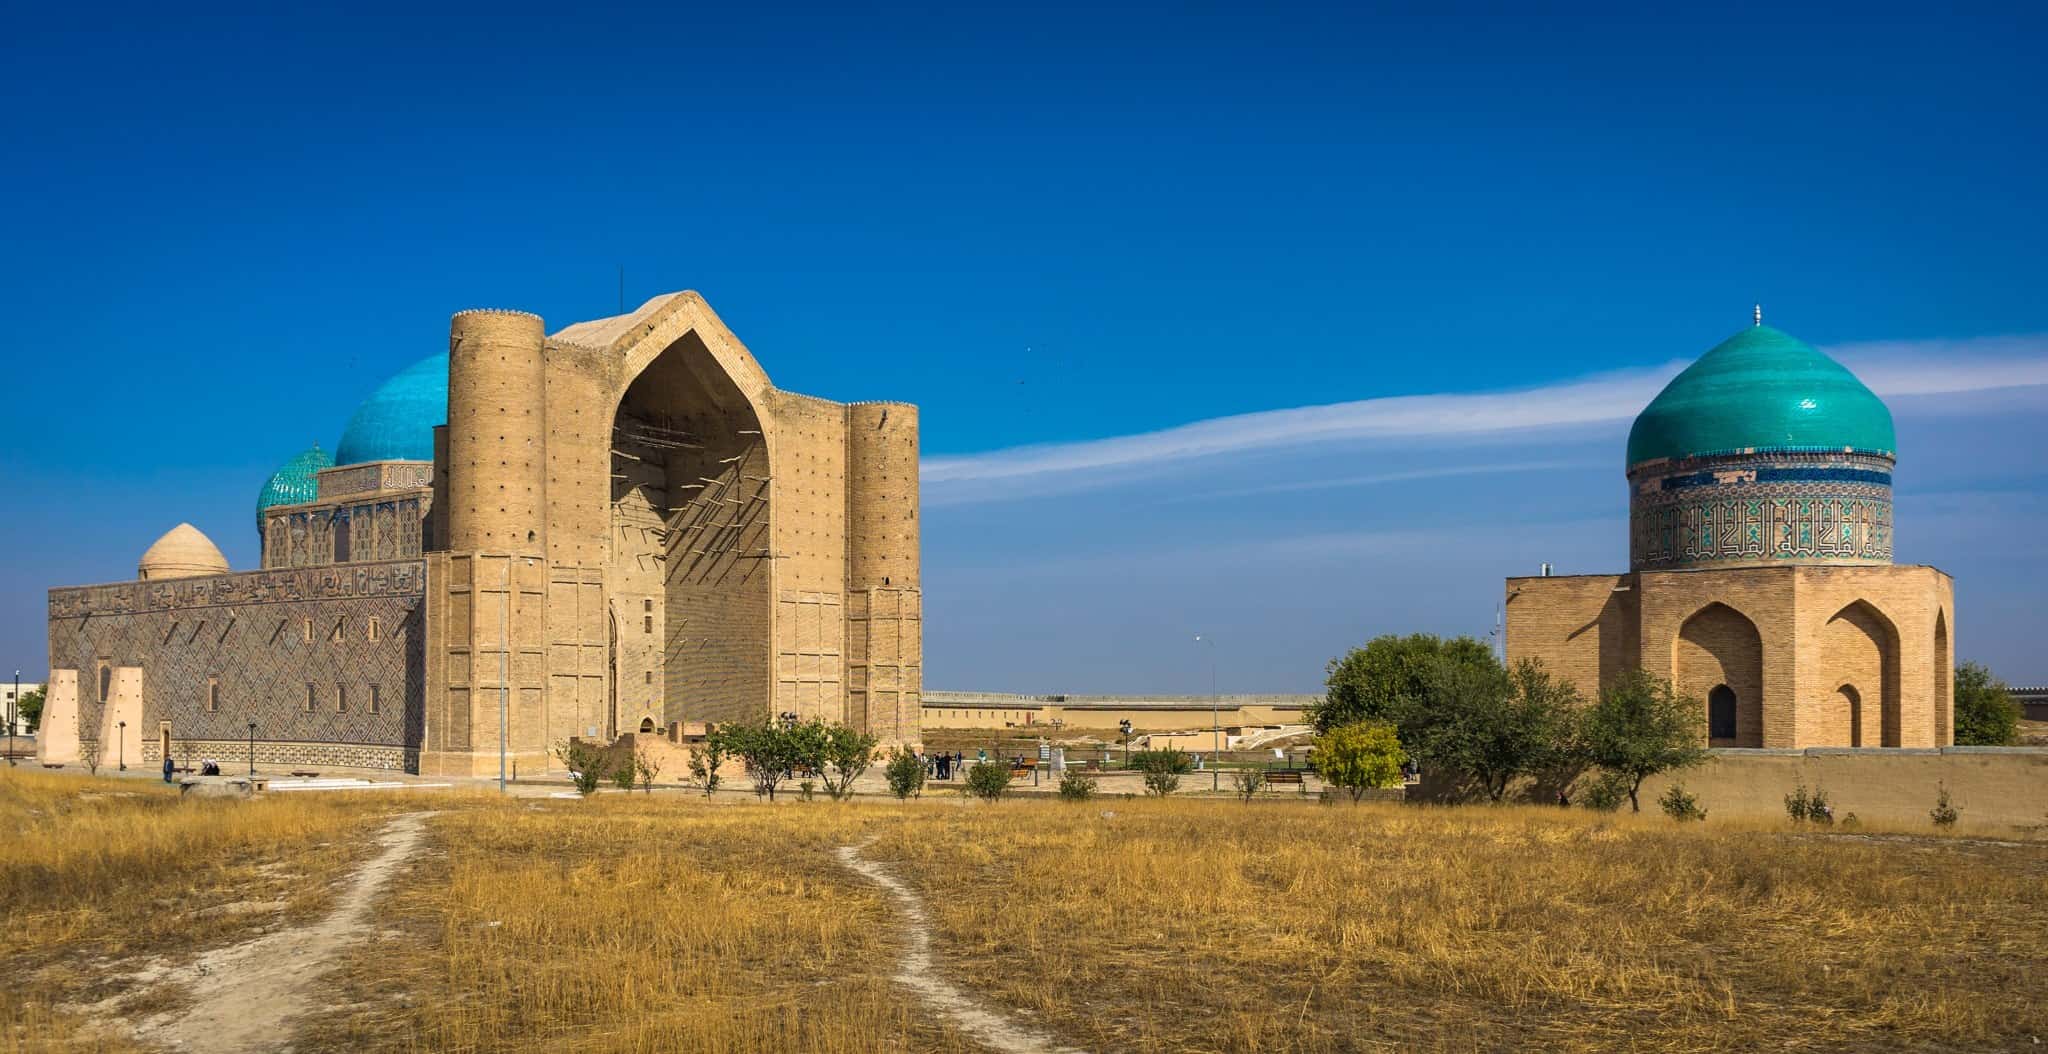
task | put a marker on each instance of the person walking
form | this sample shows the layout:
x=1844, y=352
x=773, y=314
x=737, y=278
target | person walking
x=169, y=767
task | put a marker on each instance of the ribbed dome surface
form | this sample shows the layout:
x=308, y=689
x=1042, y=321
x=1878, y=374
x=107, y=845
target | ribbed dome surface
x=1761, y=390
x=397, y=421
x=183, y=552
x=295, y=482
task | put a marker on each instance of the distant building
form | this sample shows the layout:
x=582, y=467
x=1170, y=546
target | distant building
x=618, y=527
x=8, y=709
x=2033, y=702
x=1761, y=578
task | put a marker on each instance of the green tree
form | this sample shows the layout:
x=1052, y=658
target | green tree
x=30, y=707
x=1986, y=715
x=847, y=752
x=708, y=757
x=769, y=751
x=1382, y=680
x=1359, y=757
x=988, y=780
x=586, y=764
x=1641, y=727
x=648, y=766
x=905, y=773
x=1490, y=724
x=1163, y=769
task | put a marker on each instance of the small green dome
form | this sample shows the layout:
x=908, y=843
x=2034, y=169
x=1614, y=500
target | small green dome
x=397, y=421
x=294, y=483
x=1761, y=390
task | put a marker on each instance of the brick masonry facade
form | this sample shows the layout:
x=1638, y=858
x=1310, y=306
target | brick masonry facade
x=625, y=524
x=1815, y=656
x=327, y=662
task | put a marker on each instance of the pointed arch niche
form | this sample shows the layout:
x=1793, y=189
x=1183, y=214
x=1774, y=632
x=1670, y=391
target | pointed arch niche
x=1717, y=656
x=1860, y=657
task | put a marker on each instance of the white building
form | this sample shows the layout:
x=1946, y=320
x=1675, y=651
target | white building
x=8, y=710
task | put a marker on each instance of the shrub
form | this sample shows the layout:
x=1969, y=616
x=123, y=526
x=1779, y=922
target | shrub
x=988, y=780
x=1163, y=769
x=1077, y=785
x=1359, y=757
x=1681, y=806
x=905, y=773
x=1606, y=793
x=625, y=775
x=585, y=764
x=1810, y=807
x=1944, y=813
x=1248, y=783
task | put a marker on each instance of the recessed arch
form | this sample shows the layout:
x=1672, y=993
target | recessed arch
x=1944, y=683
x=1719, y=647
x=1860, y=648
x=686, y=573
x=646, y=724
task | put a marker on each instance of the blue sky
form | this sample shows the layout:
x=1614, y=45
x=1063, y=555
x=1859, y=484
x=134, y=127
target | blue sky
x=1088, y=243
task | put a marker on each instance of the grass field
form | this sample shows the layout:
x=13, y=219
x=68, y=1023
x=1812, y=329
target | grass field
x=665, y=923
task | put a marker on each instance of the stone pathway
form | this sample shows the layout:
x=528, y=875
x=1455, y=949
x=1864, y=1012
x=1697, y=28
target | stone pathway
x=914, y=971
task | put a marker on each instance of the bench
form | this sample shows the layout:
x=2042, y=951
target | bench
x=1280, y=777
x=305, y=773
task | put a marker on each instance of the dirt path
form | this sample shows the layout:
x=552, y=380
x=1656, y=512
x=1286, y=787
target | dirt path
x=914, y=971
x=244, y=996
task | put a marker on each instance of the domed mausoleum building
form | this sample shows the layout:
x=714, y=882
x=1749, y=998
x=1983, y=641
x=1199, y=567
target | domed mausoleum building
x=1760, y=551
x=621, y=526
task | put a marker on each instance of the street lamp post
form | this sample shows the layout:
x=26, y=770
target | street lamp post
x=1125, y=725
x=1215, y=717
x=121, y=744
x=13, y=710
x=252, y=748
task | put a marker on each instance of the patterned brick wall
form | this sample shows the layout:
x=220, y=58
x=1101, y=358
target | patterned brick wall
x=218, y=652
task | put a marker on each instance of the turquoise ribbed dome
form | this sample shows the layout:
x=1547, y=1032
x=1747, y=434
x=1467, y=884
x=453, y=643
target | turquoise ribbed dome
x=293, y=483
x=397, y=421
x=1761, y=390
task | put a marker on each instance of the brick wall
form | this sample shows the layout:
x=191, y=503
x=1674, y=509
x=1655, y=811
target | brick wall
x=211, y=654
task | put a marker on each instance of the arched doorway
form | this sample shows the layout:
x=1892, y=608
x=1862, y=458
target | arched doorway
x=1718, y=650
x=647, y=724
x=1721, y=716
x=1850, y=701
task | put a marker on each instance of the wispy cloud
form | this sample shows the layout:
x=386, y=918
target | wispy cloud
x=1891, y=368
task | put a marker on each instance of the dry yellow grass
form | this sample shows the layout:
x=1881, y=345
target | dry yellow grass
x=100, y=875
x=658, y=924
x=1203, y=926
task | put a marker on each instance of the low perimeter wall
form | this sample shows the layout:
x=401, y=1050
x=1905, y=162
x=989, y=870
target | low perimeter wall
x=1988, y=785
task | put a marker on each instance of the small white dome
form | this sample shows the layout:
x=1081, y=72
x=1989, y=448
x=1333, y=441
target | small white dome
x=183, y=552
